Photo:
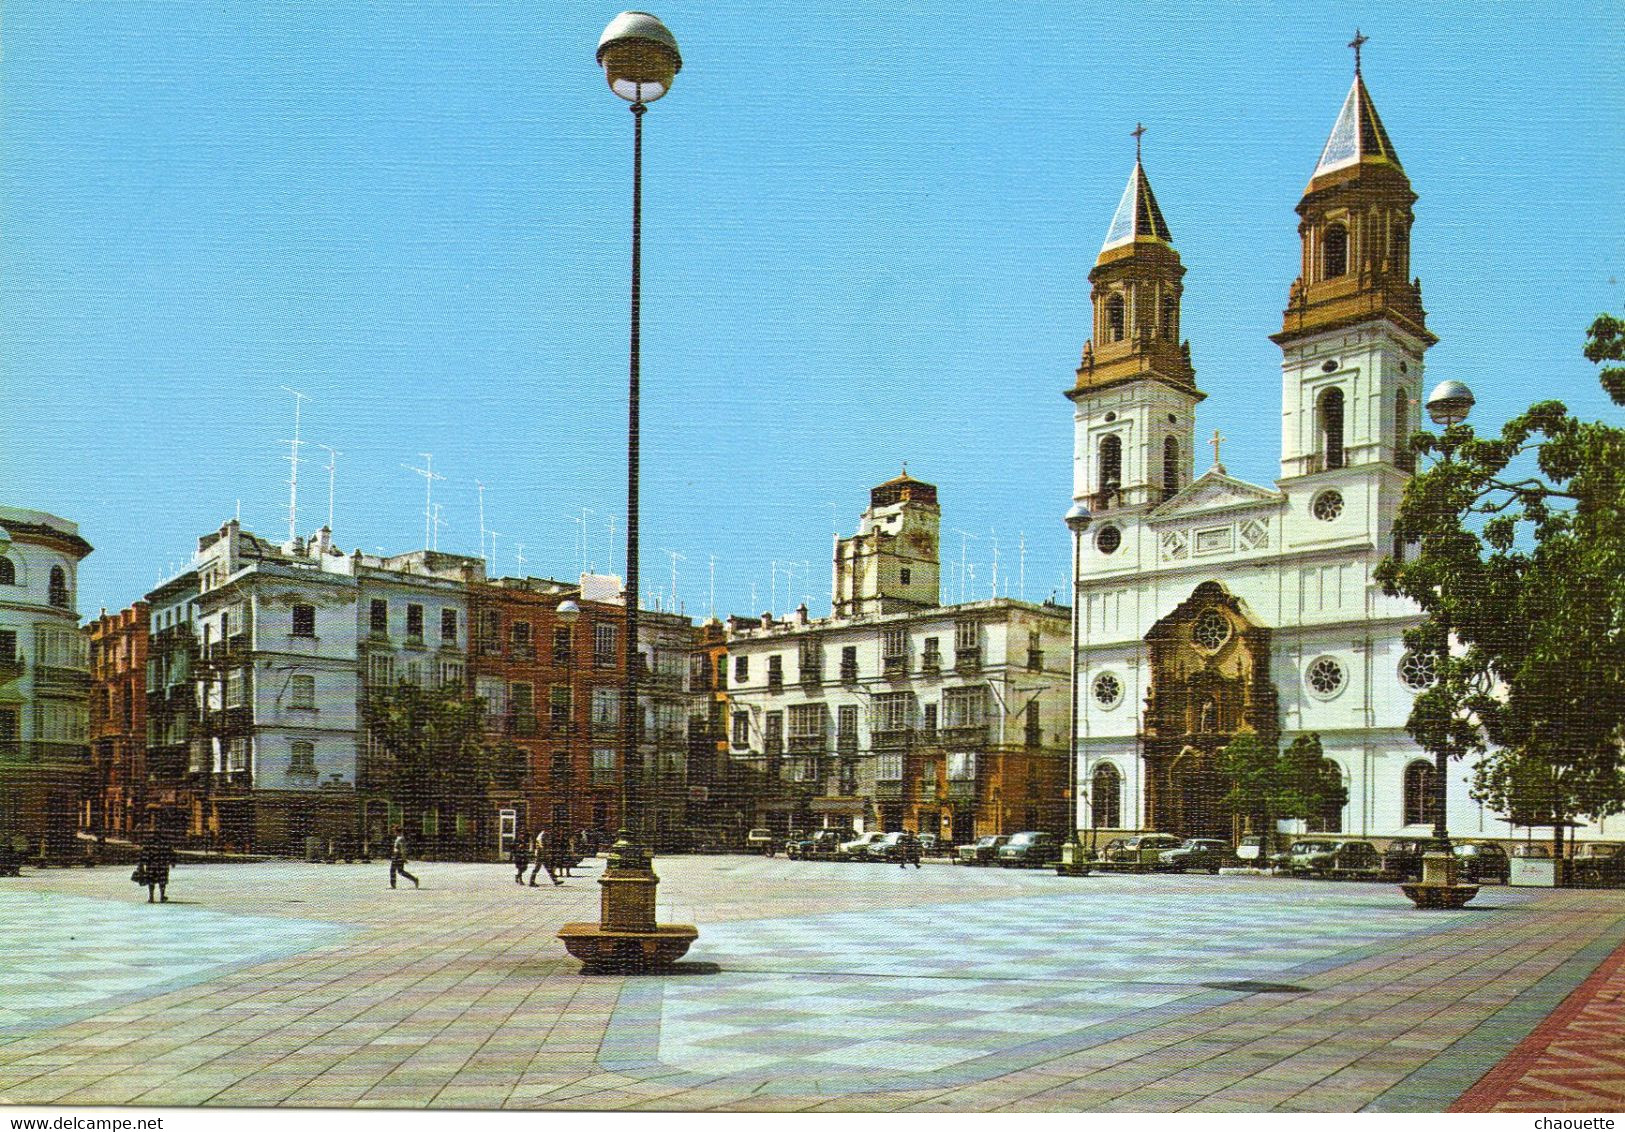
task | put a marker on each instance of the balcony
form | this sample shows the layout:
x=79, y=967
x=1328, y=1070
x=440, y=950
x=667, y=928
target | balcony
x=806, y=744
x=889, y=790
x=894, y=667
x=961, y=790
x=849, y=673
x=811, y=678
x=775, y=681
x=522, y=650
x=521, y=723
x=846, y=744
x=890, y=740
x=931, y=662
x=968, y=660
x=561, y=725
x=972, y=735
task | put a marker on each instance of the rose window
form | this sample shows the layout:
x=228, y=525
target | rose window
x=1418, y=671
x=1109, y=539
x=1328, y=505
x=1211, y=629
x=1108, y=689
x=1326, y=676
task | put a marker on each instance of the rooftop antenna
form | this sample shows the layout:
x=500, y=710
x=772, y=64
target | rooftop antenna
x=519, y=557
x=610, y=569
x=293, y=465
x=581, y=529
x=480, y=487
x=806, y=575
x=753, y=597
x=438, y=523
x=429, y=476
x=675, y=558
x=835, y=519
x=494, y=536
x=994, y=535
x=1021, y=590
x=713, y=616
x=773, y=585
x=964, y=543
x=333, y=455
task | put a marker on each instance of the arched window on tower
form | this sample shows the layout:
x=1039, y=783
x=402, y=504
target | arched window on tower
x=1335, y=251
x=1170, y=318
x=1331, y=428
x=1106, y=798
x=8, y=572
x=1170, y=467
x=59, y=588
x=1421, y=793
x=1111, y=465
x=1116, y=319
x=1404, y=458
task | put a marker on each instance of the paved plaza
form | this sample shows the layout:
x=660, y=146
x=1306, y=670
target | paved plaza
x=813, y=986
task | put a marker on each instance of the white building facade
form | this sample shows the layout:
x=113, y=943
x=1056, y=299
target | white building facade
x=1209, y=606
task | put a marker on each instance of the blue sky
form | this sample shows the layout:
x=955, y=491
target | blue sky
x=867, y=232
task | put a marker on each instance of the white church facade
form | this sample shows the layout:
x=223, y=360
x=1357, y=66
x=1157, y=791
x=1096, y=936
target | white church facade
x=1209, y=605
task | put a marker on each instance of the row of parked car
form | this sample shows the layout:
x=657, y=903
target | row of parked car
x=1478, y=862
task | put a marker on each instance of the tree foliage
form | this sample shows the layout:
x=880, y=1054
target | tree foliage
x=1268, y=784
x=1519, y=575
x=439, y=757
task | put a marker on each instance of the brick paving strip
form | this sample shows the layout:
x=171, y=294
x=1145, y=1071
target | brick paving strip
x=457, y=996
x=1574, y=1061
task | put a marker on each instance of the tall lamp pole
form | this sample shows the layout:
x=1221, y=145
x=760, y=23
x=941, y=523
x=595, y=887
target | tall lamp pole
x=1072, y=862
x=640, y=60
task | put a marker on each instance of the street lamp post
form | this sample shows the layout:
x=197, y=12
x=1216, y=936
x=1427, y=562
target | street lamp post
x=1447, y=407
x=640, y=60
x=1072, y=862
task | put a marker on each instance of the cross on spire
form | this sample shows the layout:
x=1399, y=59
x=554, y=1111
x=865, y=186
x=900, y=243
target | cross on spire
x=1137, y=133
x=1358, y=42
x=1218, y=438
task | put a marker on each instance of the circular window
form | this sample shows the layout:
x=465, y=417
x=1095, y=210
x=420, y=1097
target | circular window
x=1109, y=539
x=1211, y=629
x=1418, y=671
x=1330, y=366
x=1328, y=505
x=1110, y=417
x=1325, y=677
x=1108, y=689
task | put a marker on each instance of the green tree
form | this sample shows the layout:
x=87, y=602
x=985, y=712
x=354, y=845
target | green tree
x=1522, y=552
x=440, y=761
x=1268, y=784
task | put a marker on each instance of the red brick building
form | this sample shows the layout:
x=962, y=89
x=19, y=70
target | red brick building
x=552, y=689
x=115, y=798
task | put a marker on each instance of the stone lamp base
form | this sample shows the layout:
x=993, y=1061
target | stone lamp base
x=627, y=939
x=1439, y=887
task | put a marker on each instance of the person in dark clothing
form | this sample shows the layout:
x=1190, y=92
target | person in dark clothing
x=521, y=856
x=908, y=850
x=156, y=860
x=397, y=860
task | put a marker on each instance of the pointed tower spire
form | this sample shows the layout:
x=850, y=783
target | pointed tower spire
x=1356, y=227
x=1137, y=216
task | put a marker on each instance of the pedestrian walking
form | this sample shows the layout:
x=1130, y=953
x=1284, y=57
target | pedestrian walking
x=153, y=870
x=544, y=858
x=908, y=850
x=397, y=860
x=521, y=856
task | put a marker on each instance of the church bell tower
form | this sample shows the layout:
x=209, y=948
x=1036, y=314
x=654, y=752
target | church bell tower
x=1135, y=396
x=1353, y=332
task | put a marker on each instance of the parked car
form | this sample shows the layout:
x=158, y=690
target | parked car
x=1199, y=854
x=897, y=846
x=1144, y=849
x=1327, y=858
x=1402, y=860
x=931, y=845
x=858, y=848
x=1252, y=850
x=983, y=851
x=1482, y=861
x=1532, y=849
x=1029, y=848
x=819, y=844
x=760, y=841
x=1599, y=864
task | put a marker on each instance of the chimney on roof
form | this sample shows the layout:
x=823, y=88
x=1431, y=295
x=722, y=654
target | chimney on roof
x=801, y=614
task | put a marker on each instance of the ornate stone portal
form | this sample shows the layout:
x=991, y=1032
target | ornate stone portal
x=1210, y=666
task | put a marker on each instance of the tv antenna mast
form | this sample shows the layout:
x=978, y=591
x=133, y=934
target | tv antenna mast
x=581, y=532
x=429, y=476
x=773, y=586
x=964, y=544
x=713, y=616
x=519, y=557
x=994, y=535
x=480, y=487
x=438, y=523
x=332, y=466
x=494, y=536
x=1021, y=588
x=609, y=568
x=675, y=558
x=299, y=400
